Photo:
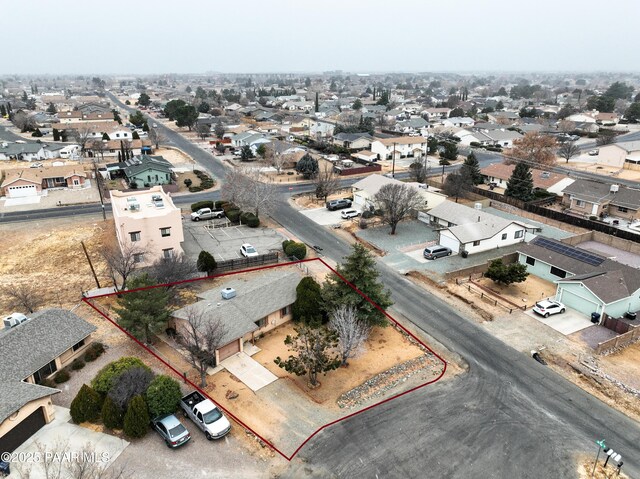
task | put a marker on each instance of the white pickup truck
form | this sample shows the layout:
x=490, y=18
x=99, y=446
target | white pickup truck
x=206, y=214
x=206, y=415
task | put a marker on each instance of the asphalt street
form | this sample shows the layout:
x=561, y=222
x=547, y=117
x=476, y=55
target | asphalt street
x=507, y=416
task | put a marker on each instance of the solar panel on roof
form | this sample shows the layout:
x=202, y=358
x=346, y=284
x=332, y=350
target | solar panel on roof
x=569, y=251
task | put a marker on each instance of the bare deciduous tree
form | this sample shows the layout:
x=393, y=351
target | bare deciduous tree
x=200, y=336
x=568, y=150
x=244, y=187
x=98, y=147
x=23, y=295
x=279, y=160
x=82, y=135
x=203, y=130
x=156, y=136
x=120, y=263
x=173, y=269
x=352, y=332
x=326, y=182
x=397, y=201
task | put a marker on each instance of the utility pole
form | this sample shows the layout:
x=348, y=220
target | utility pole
x=393, y=167
x=93, y=271
x=97, y=174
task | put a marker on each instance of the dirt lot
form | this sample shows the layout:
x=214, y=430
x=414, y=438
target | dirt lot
x=48, y=253
x=524, y=294
x=174, y=156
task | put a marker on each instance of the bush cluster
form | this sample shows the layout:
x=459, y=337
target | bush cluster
x=249, y=219
x=61, y=376
x=106, y=377
x=201, y=204
x=297, y=250
x=93, y=352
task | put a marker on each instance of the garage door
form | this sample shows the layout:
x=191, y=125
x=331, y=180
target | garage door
x=229, y=350
x=21, y=191
x=450, y=242
x=583, y=305
x=23, y=431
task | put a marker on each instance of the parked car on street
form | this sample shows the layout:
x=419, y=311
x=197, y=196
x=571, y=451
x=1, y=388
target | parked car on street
x=548, y=307
x=171, y=430
x=437, y=251
x=594, y=152
x=206, y=214
x=338, y=204
x=206, y=415
x=248, y=251
x=347, y=214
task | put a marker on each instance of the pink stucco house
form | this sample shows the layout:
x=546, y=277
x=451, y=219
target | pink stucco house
x=32, y=181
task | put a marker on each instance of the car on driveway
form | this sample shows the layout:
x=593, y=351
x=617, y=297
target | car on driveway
x=171, y=430
x=347, y=214
x=548, y=307
x=248, y=251
x=594, y=152
x=437, y=251
x=338, y=204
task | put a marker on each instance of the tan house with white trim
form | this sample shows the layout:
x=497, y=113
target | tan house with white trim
x=400, y=147
x=148, y=222
x=257, y=304
x=32, y=181
x=33, y=349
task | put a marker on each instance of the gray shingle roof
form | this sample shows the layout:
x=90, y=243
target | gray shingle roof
x=256, y=298
x=597, y=192
x=31, y=345
x=141, y=163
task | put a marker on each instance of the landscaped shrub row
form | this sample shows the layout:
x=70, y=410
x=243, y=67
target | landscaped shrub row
x=93, y=352
x=201, y=204
x=249, y=219
x=126, y=394
x=206, y=182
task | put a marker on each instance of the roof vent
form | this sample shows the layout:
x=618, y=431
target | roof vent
x=228, y=293
x=14, y=320
x=477, y=206
x=614, y=188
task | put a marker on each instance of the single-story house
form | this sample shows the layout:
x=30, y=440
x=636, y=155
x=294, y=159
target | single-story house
x=23, y=151
x=257, y=304
x=31, y=181
x=148, y=170
x=33, y=349
x=498, y=174
x=366, y=155
x=473, y=230
x=592, y=198
x=365, y=189
x=353, y=141
x=587, y=282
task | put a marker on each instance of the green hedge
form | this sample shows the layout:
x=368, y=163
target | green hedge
x=249, y=219
x=201, y=204
x=218, y=204
x=233, y=215
x=61, y=376
x=299, y=250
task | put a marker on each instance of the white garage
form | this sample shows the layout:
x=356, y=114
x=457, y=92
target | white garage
x=21, y=191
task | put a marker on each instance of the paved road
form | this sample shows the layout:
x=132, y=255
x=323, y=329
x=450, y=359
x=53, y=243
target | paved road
x=507, y=416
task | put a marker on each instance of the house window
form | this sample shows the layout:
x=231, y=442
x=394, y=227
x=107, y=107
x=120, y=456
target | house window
x=580, y=203
x=44, y=372
x=76, y=182
x=117, y=135
x=284, y=311
x=167, y=253
x=504, y=236
x=558, y=272
x=519, y=234
x=530, y=260
x=622, y=209
x=78, y=345
x=476, y=243
x=138, y=257
x=261, y=323
x=164, y=232
x=135, y=236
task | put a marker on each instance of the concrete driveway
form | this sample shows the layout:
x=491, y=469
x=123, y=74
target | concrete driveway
x=64, y=437
x=324, y=217
x=566, y=323
x=249, y=371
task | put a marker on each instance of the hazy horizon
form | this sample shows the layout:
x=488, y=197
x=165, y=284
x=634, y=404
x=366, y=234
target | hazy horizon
x=283, y=36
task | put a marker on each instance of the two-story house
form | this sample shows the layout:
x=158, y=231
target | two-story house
x=148, y=225
x=400, y=147
x=592, y=198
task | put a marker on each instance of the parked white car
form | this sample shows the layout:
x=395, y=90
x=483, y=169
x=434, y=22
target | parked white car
x=347, y=214
x=548, y=307
x=248, y=251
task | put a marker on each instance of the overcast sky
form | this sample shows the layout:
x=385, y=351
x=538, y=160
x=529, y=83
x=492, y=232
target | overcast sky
x=194, y=36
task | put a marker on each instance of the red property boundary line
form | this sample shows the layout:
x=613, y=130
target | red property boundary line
x=89, y=302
